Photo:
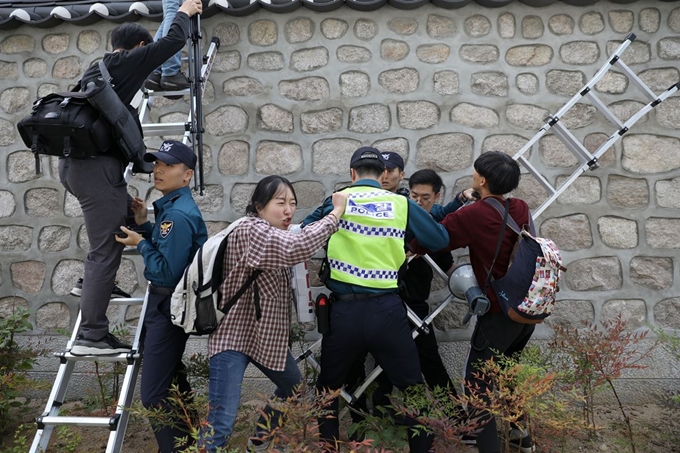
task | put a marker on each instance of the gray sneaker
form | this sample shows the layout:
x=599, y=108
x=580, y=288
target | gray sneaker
x=177, y=82
x=109, y=345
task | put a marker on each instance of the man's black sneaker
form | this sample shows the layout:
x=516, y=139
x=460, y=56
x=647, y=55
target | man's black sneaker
x=77, y=291
x=520, y=441
x=177, y=82
x=468, y=439
x=109, y=345
x=153, y=83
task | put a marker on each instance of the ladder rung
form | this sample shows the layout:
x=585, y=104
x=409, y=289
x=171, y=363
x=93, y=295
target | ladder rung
x=536, y=174
x=154, y=129
x=150, y=93
x=105, y=422
x=572, y=143
x=126, y=301
x=636, y=80
x=123, y=356
x=604, y=109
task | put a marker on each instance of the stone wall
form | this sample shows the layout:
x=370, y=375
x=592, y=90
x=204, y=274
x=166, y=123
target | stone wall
x=295, y=94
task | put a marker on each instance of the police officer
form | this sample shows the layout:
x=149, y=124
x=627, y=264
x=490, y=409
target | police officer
x=366, y=313
x=168, y=247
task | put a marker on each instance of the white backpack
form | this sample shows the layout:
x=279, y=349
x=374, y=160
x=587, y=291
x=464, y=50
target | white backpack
x=195, y=302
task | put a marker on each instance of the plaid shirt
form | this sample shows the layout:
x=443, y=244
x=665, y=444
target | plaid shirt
x=255, y=244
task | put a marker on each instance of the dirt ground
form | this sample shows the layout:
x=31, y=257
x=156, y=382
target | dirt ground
x=656, y=430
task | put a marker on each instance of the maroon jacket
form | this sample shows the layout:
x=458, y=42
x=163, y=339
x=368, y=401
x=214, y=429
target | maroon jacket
x=478, y=226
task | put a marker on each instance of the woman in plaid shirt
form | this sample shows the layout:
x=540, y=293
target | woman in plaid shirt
x=253, y=332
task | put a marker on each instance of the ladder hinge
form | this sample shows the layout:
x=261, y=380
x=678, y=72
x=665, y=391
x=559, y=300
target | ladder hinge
x=623, y=131
x=130, y=356
x=553, y=121
x=113, y=422
x=614, y=60
x=655, y=103
x=593, y=164
x=39, y=422
x=585, y=91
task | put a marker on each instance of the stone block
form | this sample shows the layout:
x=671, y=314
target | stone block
x=674, y=20
x=507, y=143
x=300, y=29
x=229, y=61
x=212, y=199
x=572, y=314
x=617, y=232
x=354, y=84
x=477, y=26
x=228, y=33
x=393, y=50
x=14, y=44
x=72, y=206
x=529, y=55
x=668, y=48
x=331, y=156
x=321, y=121
x=667, y=193
x=668, y=113
x=662, y=233
x=353, y=54
x=479, y=53
x=584, y=190
x=404, y=26
x=474, y=116
x=433, y=53
x=88, y=41
x=526, y=116
x=404, y=80
x=416, y=115
x=506, y=25
x=653, y=272
x=594, y=274
x=440, y=27
x=532, y=27
x=304, y=60
x=240, y=196
x=334, y=28
x=570, y=232
x=265, y=61
x=83, y=241
x=28, y=276
x=67, y=68
x=21, y=167
x=554, y=153
x=54, y=238
x=591, y=23
x=649, y=20
x=638, y=52
x=56, y=43
x=445, y=152
x=621, y=21
x=667, y=313
x=369, y=119
x=7, y=133
x=561, y=24
x=215, y=227
x=9, y=305
x=242, y=86
x=625, y=192
x=229, y=119
x=633, y=311
x=307, y=89
x=9, y=70
x=53, y=315
x=491, y=83
x=593, y=141
x=399, y=145
x=35, y=68
x=42, y=202
x=310, y=194
x=271, y=117
x=7, y=203
x=527, y=83
x=13, y=100
x=446, y=82
x=612, y=83
x=65, y=275
x=15, y=238
x=647, y=154
x=280, y=158
x=564, y=83
x=365, y=29
x=580, y=52
x=623, y=110
x=660, y=79
x=263, y=32
x=580, y=115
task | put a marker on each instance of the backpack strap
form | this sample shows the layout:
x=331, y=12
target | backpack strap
x=511, y=222
x=230, y=303
x=500, y=240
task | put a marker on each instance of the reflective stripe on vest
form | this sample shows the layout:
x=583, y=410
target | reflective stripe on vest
x=368, y=248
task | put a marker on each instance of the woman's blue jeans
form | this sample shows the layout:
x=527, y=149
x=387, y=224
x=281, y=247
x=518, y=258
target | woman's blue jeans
x=174, y=63
x=226, y=376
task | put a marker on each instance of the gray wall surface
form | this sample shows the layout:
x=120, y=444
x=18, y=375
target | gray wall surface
x=295, y=94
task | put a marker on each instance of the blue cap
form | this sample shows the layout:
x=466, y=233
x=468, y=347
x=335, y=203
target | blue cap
x=366, y=153
x=173, y=152
x=393, y=160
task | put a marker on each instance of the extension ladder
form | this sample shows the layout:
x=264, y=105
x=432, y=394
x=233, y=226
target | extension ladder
x=587, y=161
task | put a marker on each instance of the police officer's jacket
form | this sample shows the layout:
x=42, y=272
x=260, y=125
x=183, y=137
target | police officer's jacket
x=170, y=244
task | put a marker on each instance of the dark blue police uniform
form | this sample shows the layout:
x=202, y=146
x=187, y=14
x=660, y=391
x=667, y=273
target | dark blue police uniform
x=169, y=246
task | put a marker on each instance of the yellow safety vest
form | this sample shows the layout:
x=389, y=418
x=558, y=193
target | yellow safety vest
x=368, y=248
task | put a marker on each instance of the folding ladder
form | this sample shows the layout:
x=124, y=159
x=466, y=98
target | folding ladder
x=587, y=161
x=116, y=423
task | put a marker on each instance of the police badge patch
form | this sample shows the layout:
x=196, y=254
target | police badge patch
x=166, y=228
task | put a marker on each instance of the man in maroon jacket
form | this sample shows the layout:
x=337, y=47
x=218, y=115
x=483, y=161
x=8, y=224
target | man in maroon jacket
x=478, y=227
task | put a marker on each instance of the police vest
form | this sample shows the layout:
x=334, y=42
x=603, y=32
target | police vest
x=368, y=248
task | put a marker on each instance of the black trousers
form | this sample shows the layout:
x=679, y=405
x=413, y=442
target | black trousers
x=495, y=334
x=377, y=325
x=162, y=367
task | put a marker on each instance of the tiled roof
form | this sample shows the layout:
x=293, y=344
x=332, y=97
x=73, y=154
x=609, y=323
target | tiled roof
x=46, y=14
